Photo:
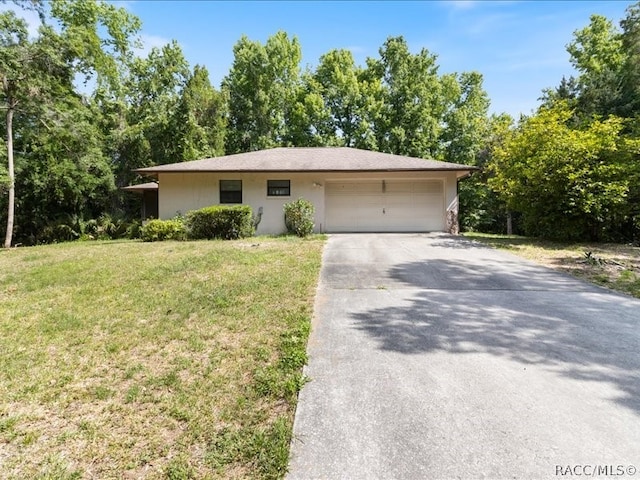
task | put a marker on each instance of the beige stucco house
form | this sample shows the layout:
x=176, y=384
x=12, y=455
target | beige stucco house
x=352, y=190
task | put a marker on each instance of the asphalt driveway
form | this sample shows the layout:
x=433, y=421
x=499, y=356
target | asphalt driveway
x=435, y=357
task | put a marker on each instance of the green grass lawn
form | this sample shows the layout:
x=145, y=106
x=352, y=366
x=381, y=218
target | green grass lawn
x=155, y=360
x=610, y=265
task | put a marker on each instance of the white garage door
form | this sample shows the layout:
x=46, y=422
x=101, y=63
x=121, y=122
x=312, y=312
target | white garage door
x=384, y=206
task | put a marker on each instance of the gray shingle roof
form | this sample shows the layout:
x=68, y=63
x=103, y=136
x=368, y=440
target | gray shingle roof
x=141, y=187
x=318, y=159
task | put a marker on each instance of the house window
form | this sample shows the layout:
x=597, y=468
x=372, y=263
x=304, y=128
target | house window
x=278, y=188
x=230, y=191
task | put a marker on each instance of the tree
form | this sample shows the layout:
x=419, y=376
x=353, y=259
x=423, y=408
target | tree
x=30, y=73
x=262, y=87
x=410, y=120
x=139, y=125
x=199, y=121
x=14, y=50
x=38, y=94
x=465, y=119
x=348, y=98
x=481, y=209
x=310, y=123
x=630, y=71
x=63, y=174
x=604, y=92
x=567, y=182
x=466, y=131
x=568, y=91
x=596, y=52
x=100, y=37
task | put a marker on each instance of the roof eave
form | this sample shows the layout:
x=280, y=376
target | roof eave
x=154, y=173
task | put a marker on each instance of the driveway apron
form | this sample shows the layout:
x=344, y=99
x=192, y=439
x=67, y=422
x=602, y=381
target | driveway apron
x=432, y=356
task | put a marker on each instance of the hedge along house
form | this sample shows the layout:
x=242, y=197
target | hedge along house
x=352, y=190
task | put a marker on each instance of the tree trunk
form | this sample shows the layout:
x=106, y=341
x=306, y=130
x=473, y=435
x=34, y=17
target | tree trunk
x=12, y=183
x=509, y=224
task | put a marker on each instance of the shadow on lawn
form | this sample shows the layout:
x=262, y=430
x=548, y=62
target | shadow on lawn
x=529, y=314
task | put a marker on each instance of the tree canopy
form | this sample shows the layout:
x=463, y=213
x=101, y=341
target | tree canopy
x=83, y=108
x=572, y=169
x=569, y=183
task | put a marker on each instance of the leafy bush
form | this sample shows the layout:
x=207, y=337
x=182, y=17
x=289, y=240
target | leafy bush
x=298, y=217
x=57, y=232
x=73, y=227
x=159, y=230
x=220, y=221
x=134, y=229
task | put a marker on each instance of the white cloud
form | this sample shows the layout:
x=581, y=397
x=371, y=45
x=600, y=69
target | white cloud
x=126, y=4
x=488, y=23
x=462, y=4
x=356, y=49
x=148, y=42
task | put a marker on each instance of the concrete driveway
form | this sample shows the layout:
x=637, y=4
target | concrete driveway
x=435, y=357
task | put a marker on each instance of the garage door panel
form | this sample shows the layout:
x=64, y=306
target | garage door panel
x=390, y=206
x=429, y=187
x=397, y=187
x=353, y=188
x=418, y=201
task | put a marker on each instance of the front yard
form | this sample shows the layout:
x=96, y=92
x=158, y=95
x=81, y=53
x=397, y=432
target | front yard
x=166, y=360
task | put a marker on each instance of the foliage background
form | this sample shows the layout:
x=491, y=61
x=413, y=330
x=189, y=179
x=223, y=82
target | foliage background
x=89, y=109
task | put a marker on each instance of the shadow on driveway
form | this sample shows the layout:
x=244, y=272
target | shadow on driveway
x=527, y=314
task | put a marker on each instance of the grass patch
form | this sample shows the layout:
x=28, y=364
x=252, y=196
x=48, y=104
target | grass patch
x=164, y=360
x=610, y=265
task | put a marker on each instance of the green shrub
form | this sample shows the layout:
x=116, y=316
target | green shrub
x=298, y=217
x=159, y=230
x=220, y=221
x=57, y=232
x=74, y=227
x=134, y=229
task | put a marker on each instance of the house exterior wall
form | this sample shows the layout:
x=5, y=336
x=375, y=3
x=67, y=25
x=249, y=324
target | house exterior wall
x=182, y=192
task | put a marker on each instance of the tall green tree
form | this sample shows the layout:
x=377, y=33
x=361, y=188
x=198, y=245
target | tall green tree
x=39, y=97
x=14, y=50
x=263, y=87
x=62, y=172
x=410, y=120
x=630, y=71
x=349, y=98
x=32, y=72
x=102, y=39
x=596, y=53
x=465, y=120
x=481, y=209
x=567, y=182
x=139, y=126
x=199, y=121
x=605, y=89
x=607, y=59
x=310, y=123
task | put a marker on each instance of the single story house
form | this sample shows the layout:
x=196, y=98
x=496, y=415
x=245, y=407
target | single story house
x=352, y=190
